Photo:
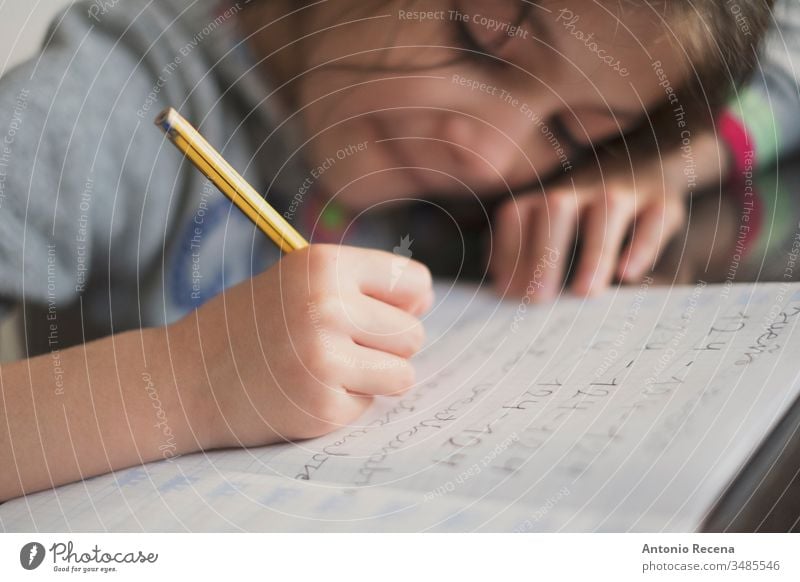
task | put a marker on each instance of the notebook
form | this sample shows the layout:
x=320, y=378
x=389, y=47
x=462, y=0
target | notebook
x=632, y=411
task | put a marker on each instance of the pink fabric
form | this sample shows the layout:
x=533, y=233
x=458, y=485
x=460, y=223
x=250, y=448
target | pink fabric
x=742, y=149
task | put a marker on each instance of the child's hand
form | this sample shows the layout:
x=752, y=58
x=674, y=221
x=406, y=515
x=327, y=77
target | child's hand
x=300, y=350
x=534, y=233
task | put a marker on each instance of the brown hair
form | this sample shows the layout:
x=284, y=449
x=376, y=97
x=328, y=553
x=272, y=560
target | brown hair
x=719, y=38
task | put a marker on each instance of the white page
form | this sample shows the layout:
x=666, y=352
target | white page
x=632, y=411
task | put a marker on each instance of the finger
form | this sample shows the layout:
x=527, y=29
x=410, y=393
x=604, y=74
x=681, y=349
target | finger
x=395, y=278
x=385, y=328
x=338, y=404
x=651, y=232
x=542, y=255
x=552, y=230
x=511, y=221
x=375, y=373
x=424, y=305
x=606, y=227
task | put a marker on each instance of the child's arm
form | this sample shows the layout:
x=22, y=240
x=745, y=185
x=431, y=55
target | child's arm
x=114, y=404
x=767, y=107
x=293, y=353
x=762, y=126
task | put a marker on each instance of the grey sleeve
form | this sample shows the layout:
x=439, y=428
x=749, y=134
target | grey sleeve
x=77, y=155
x=776, y=84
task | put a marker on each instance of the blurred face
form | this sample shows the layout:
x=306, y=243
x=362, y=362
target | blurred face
x=467, y=97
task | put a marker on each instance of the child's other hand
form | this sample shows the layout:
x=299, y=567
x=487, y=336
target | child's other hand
x=534, y=233
x=301, y=349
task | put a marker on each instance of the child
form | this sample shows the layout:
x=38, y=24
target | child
x=356, y=119
x=756, y=129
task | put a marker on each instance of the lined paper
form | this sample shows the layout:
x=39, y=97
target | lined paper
x=628, y=412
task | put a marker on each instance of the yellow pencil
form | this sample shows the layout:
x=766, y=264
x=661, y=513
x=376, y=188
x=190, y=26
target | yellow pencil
x=208, y=160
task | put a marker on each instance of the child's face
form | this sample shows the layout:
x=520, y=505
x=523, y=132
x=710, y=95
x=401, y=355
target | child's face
x=436, y=116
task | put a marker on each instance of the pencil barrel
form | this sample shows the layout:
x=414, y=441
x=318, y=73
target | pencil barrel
x=195, y=147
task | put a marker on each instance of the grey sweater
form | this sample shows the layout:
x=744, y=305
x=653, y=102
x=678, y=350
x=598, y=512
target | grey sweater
x=104, y=226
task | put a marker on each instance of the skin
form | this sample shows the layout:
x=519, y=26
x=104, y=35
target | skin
x=231, y=373
x=646, y=204
x=235, y=373
x=428, y=133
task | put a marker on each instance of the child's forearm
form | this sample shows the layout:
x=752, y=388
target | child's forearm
x=701, y=163
x=95, y=408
